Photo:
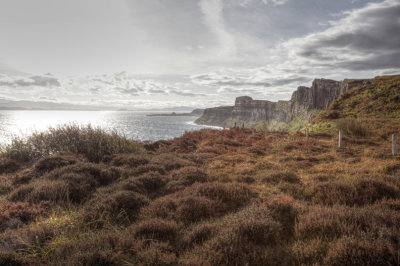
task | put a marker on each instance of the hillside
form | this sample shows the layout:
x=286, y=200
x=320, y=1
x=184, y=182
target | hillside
x=229, y=197
x=375, y=103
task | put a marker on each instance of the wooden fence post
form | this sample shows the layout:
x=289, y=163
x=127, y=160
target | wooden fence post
x=235, y=124
x=394, y=142
x=340, y=138
x=307, y=134
x=243, y=125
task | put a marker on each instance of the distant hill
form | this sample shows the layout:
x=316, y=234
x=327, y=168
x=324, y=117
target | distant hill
x=42, y=105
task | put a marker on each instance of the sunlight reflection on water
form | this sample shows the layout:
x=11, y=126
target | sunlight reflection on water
x=135, y=125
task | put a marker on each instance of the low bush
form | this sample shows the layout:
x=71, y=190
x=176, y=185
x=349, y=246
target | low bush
x=198, y=234
x=355, y=192
x=55, y=191
x=352, y=127
x=250, y=236
x=120, y=207
x=186, y=176
x=275, y=177
x=8, y=165
x=50, y=163
x=170, y=161
x=327, y=223
x=156, y=230
x=94, y=143
x=15, y=214
x=130, y=160
x=150, y=183
x=349, y=251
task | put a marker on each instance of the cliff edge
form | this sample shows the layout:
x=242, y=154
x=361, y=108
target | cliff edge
x=302, y=106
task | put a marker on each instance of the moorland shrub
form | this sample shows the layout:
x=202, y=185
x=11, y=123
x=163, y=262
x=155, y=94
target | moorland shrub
x=93, y=143
x=121, y=206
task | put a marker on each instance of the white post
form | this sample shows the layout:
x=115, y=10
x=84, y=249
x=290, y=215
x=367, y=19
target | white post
x=394, y=142
x=340, y=138
x=307, y=133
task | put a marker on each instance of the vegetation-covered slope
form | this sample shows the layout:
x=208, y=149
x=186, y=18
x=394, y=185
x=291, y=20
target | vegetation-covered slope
x=229, y=197
x=374, y=105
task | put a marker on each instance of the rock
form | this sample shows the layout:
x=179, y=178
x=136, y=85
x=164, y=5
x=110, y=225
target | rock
x=318, y=97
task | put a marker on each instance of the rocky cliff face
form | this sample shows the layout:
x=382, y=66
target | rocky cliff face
x=318, y=97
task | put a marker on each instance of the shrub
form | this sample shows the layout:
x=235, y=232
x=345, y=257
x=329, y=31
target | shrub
x=170, y=161
x=156, y=229
x=94, y=143
x=233, y=195
x=186, y=176
x=15, y=214
x=149, y=183
x=50, y=163
x=8, y=165
x=116, y=207
x=327, y=223
x=357, y=192
x=348, y=251
x=42, y=190
x=130, y=160
x=353, y=127
x=275, y=177
x=250, y=236
x=198, y=234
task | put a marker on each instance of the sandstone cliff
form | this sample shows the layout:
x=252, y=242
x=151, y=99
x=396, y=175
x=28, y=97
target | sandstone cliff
x=303, y=102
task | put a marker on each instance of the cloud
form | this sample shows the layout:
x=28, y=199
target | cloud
x=363, y=39
x=33, y=81
x=276, y=2
x=213, y=18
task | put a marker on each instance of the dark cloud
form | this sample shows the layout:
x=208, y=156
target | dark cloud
x=365, y=39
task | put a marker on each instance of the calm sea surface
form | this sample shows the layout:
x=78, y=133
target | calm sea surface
x=135, y=125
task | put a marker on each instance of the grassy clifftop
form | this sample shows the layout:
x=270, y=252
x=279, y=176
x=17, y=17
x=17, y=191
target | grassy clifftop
x=375, y=104
x=229, y=197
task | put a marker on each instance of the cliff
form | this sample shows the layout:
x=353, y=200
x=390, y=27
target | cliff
x=304, y=101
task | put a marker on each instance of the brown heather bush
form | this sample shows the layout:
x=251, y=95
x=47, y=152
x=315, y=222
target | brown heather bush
x=50, y=163
x=352, y=127
x=170, y=161
x=184, y=208
x=275, y=177
x=363, y=252
x=186, y=176
x=69, y=184
x=310, y=252
x=55, y=191
x=94, y=143
x=130, y=160
x=355, y=192
x=15, y=214
x=156, y=230
x=233, y=195
x=249, y=237
x=8, y=165
x=327, y=223
x=150, y=184
x=120, y=207
x=9, y=258
x=198, y=234
x=145, y=169
x=199, y=202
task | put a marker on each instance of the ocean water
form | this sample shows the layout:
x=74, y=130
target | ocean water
x=135, y=125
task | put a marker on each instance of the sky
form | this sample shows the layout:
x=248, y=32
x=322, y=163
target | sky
x=148, y=54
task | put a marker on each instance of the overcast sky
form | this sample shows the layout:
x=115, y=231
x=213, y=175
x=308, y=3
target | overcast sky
x=197, y=53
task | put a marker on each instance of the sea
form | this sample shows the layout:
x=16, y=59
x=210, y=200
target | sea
x=136, y=125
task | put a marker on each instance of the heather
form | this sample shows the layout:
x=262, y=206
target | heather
x=211, y=197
